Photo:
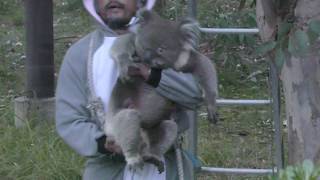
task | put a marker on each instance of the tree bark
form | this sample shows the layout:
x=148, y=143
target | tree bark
x=301, y=83
x=301, y=80
x=266, y=19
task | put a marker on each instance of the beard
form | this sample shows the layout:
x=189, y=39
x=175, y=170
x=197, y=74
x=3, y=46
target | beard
x=117, y=23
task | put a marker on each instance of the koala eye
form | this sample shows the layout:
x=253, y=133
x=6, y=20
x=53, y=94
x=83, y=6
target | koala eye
x=160, y=50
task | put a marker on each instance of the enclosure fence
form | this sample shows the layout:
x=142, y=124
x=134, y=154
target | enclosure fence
x=274, y=102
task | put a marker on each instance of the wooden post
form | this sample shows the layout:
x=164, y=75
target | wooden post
x=39, y=64
x=39, y=48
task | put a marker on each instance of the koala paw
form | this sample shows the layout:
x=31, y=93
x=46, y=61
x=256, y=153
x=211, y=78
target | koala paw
x=213, y=116
x=135, y=163
x=155, y=161
x=124, y=75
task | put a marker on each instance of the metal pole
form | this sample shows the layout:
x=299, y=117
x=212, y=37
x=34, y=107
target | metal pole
x=239, y=171
x=39, y=48
x=275, y=91
x=192, y=137
x=230, y=30
x=243, y=102
x=192, y=134
x=192, y=9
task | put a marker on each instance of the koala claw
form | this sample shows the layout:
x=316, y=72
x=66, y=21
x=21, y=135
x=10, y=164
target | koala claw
x=135, y=163
x=213, y=116
x=155, y=161
x=124, y=76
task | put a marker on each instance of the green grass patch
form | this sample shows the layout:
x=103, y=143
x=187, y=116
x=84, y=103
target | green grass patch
x=36, y=153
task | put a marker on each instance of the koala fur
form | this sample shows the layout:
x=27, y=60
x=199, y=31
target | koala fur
x=145, y=131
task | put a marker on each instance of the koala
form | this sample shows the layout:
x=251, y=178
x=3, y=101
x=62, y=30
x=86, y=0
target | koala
x=166, y=44
x=146, y=130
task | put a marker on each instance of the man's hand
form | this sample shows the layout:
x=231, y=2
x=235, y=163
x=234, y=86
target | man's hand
x=152, y=76
x=139, y=69
x=111, y=146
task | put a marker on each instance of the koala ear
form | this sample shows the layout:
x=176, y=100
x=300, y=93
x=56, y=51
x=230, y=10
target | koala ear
x=190, y=32
x=134, y=26
x=144, y=16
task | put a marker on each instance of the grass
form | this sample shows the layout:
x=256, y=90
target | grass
x=241, y=139
x=36, y=153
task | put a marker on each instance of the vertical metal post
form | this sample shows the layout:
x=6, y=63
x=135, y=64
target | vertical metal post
x=192, y=133
x=192, y=9
x=192, y=137
x=193, y=130
x=39, y=48
x=275, y=91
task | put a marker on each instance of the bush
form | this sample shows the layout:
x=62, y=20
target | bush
x=304, y=171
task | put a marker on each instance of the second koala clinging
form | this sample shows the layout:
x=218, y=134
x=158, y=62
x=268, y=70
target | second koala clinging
x=145, y=131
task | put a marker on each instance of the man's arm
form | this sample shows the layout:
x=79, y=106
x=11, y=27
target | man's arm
x=73, y=121
x=181, y=88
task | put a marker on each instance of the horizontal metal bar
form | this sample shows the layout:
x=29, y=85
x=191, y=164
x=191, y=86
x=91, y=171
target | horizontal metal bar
x=223, y=102
x=230, y=30
x=239, y=171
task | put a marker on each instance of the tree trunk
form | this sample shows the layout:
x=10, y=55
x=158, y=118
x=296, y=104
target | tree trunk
x=300, y=77
x=301, y=83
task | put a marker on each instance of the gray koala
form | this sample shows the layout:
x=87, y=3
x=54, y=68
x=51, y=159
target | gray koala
x=146, y=130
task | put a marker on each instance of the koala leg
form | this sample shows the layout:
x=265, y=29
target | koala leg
x=127, y=134
x=160, y=139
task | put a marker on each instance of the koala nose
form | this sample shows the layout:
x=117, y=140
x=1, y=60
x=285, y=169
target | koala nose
x=147, y=55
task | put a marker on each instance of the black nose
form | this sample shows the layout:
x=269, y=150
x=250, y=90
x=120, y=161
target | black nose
x=147, y=56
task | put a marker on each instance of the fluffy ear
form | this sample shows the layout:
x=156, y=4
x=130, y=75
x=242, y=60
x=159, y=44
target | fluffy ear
x=142, y=18
x=134, y=25
x=144, y=15
x=191, y=32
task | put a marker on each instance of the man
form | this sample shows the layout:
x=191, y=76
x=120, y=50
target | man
x=87, y=76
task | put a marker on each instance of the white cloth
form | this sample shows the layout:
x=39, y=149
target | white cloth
x=149, y=172
x=105, y=71
x=105, y=74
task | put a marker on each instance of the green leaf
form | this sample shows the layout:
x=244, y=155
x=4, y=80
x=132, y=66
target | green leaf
x=241, y=38
x=302, y=40
x=250, y=40
x=266, y=47
x=291, y=47
x=308, y=168
x=298, y=43
x=316, y=173
x=314, y=26
x=279, y=58
x=284, y=29
x=312, y=36
x=290, y=172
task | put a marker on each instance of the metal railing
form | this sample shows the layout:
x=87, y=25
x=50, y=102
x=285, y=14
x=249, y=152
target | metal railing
x=274, y=101
x=238, y=171
x=230, y=30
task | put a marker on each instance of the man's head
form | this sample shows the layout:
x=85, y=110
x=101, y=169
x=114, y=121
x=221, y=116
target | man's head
x=116, y=13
